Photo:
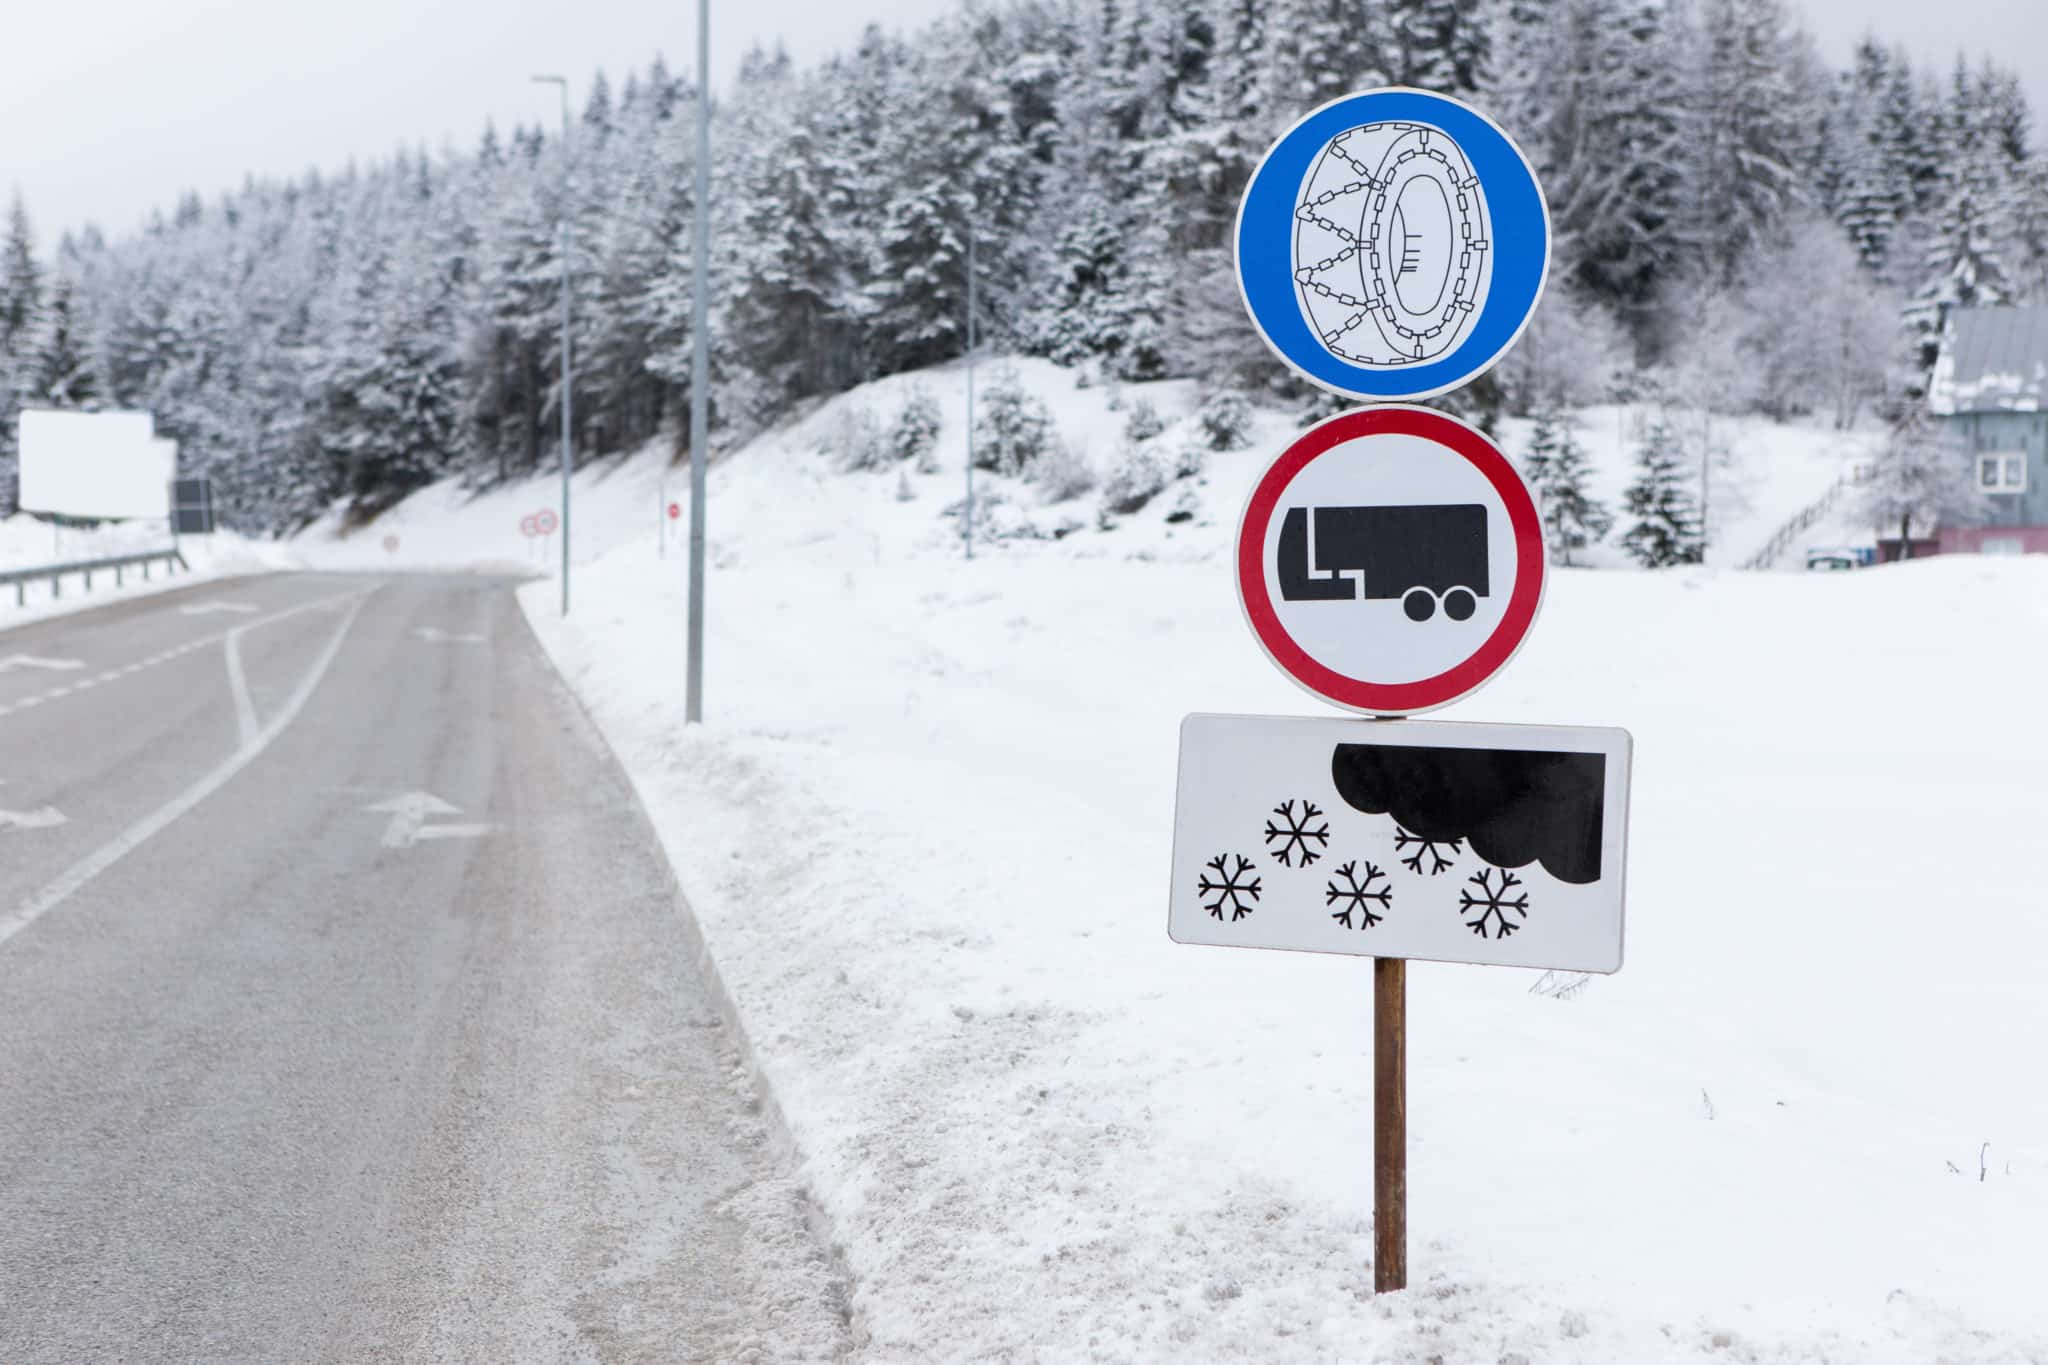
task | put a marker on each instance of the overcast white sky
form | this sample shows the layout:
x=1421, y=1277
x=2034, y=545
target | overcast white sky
x=110, y=108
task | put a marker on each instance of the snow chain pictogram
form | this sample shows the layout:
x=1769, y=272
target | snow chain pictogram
x=1414, y=240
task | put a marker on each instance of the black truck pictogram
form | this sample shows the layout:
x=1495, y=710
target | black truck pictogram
x=1424, y=555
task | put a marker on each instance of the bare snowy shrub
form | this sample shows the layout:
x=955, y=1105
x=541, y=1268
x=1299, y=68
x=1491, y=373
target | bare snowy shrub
x=1921, y=478
x=1827, y=343
x=1225, y=421
x=1136, y=480
x=914, y=435
x=1142, y=422
x=1207, y=332
x=1062, y=474
x=1191, y=458
x=1573, y=353
x=1714, y=364
x=1014, y=427
x=855, y=439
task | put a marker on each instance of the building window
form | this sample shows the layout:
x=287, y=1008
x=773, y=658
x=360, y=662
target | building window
x=2002, y=473
x=2001, y=545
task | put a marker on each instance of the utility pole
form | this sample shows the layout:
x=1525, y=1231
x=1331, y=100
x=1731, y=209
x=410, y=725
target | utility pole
x=700, y=370
x=967, y=517
x=568, y=371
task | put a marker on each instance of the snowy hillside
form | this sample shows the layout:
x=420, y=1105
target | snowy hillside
x=926, y=836
x=1763, y=474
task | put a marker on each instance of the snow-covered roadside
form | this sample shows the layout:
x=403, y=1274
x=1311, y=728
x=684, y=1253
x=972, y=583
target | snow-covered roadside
x=926, y=837
x=28, y=543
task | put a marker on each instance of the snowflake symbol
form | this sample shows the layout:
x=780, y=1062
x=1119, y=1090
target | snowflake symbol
x=1354, y=893
x=1492, y=902
x=1230, y=889
x=1425, y=848
x=1294, y=833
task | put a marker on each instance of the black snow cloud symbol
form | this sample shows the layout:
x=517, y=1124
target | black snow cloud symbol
x=1514, y=806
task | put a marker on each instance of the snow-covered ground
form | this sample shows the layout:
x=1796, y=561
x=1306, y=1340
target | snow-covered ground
x=926, y=833
x=1762, y=474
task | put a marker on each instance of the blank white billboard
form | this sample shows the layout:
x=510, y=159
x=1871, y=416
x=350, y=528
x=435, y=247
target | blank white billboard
x=95, y=464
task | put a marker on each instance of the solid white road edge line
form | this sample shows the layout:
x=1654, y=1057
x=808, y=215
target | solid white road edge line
x=98, y=861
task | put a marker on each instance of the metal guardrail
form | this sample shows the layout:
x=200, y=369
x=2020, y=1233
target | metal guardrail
x=21, y=578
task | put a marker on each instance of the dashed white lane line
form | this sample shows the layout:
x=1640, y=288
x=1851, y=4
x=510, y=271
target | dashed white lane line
x=162, y=656
x=245, y=716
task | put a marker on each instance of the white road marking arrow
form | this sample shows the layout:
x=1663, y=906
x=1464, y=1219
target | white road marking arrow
x=214, y=608
x=434, y=635
x=49, y=817
x=14, y=661
x=409, y=815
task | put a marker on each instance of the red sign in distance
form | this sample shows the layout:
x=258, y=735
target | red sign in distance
x=675, y=509
x=390, y=544
x=544, y=523
x=529, y=525
x=1390, y=560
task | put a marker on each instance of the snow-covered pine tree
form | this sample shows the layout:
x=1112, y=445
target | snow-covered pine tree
x=1971, y=230
x=1107, y=274
x=1315, y=50
x=1558, y=470
x=1747, y=124
x=1871, y=187
x=798, y=193
x=917, y=271
x=1667, y=527
x=1013, y=428
x=60, y=372
x=21, y=303
x=2030, y=232
x=1599, y=108
x=21, y=281
x=1441, y=45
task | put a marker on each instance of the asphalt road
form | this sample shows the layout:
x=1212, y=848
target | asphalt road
x=345, y=1009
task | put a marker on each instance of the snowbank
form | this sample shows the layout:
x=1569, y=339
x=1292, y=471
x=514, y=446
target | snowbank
x=926, y=834
x=28, y=543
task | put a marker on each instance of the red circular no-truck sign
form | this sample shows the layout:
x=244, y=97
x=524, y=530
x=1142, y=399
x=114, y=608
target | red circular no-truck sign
x=544, y=522
x=675, y=509
x=1391, y=560
x=529, y=525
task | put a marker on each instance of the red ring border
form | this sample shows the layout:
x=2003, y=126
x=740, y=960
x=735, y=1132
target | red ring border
x=1424, y=694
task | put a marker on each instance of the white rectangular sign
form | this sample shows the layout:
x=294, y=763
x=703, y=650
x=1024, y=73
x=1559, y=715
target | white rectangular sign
x=1497, y=844
x=95, y=464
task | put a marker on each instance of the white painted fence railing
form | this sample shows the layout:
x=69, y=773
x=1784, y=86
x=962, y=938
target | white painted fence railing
x=1790, y=531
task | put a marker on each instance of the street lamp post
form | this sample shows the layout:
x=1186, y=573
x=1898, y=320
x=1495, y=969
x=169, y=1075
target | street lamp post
x=568, y=370
x=700, y=371
x=967, y=516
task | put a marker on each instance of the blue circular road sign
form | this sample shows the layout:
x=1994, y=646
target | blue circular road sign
x=1392, y=244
